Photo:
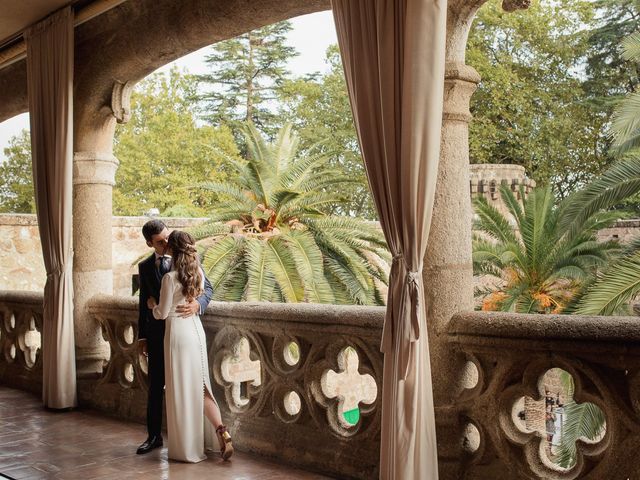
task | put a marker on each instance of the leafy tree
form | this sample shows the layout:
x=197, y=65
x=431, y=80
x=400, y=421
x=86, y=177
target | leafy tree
x=609, y=75
x=542, y=263
x=16, y=180
x=277, y=242
x=163, y=153
x=318, y=107
x=246, y=73
x=531, y=108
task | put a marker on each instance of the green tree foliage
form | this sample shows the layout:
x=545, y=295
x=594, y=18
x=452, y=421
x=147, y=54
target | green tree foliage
x=626, y=122
x=609, y=75
x=531, y=108
x=246, y=73
x=16, y=181
x=541, y=261
x=318, y=107
x=277, y=242
x=164, y=153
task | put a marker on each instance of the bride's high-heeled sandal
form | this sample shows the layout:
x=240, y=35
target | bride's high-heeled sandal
x=226, y=447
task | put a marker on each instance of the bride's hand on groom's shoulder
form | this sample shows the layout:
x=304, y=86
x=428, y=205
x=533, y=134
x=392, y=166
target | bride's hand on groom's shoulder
x=151, y=303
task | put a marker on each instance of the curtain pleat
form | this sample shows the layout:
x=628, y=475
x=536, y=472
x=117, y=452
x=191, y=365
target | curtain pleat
x=394, y=56
x=50, y=87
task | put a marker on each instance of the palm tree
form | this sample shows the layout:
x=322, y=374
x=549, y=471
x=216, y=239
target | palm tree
x=540, y=264
x=270, y=238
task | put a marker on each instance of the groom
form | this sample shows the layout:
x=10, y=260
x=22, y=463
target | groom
x=151, y=331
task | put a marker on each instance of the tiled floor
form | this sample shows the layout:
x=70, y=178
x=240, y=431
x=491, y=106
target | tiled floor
x=37, y=444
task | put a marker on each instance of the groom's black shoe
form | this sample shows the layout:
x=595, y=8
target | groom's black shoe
x=149, y=444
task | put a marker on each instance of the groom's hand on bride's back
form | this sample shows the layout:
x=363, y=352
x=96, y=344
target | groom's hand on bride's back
x=188, y=309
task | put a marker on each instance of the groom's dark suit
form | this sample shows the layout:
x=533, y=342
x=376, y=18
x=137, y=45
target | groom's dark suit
x=153, y=331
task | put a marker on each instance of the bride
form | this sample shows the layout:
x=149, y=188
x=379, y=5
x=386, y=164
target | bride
x=188, y=389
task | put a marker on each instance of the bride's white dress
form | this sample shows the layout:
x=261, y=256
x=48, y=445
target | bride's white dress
x=186, y=376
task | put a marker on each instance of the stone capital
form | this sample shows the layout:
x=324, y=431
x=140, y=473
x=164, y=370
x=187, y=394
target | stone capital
x=94, y=168
x=460, y=82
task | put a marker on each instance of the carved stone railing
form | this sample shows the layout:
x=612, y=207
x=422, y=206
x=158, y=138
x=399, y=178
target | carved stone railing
x=20, y=336
x=300, y=383
x=510, y=357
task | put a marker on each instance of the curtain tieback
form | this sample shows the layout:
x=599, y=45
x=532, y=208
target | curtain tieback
x=410, y=297
x=66, y=269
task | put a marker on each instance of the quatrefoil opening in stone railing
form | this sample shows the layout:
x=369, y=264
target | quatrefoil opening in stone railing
x=241, y=371
x=559, y=420
x=350, y=387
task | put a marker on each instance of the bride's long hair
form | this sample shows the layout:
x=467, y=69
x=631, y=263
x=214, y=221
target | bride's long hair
x=185, y=261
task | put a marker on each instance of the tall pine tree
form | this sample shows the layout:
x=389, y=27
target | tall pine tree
x=246, y=73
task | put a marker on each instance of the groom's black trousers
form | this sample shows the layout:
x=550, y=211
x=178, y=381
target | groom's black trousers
x=155, y=349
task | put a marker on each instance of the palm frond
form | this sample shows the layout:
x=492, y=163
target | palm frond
x=619, y=182
x=310, y=266
x=582, y=421
x=226, y=189
x=232, y=288
x=631, y=47
x=219, y=258
x=357, y=292
x=511, y=202
x=612, y=292
x=261, y=281
x=492, y=222
x=282, y=263
x=208, y=229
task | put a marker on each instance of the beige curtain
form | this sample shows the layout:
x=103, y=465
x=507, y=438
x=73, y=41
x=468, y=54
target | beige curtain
x=393, y=54
x=50, y=86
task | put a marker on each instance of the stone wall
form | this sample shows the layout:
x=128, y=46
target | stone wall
x=486, y=179
x=623, y=231
x=22, y=268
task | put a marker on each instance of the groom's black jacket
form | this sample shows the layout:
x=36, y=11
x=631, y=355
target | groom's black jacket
x=150, y=283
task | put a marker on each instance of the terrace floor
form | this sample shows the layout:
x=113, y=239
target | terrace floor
x=82, y=444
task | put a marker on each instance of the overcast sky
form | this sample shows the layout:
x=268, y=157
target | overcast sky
x=311, y=35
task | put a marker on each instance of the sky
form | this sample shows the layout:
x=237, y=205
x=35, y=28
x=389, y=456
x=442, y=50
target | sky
x=311, y=35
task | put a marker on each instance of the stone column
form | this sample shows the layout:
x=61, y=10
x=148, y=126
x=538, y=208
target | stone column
x=448, y=274
x=94, y=170
x=93, y=181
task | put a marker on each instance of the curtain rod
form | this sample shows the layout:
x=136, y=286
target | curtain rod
x=18, y=50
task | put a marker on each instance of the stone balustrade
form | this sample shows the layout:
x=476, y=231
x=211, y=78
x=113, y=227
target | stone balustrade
x=302, y=383
x=296, y=382
x=511, y=357
x=20, y=340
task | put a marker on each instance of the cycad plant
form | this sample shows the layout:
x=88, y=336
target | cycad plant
x=269, y=239
x=539, y=264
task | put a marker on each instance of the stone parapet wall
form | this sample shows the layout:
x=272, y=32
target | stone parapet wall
x=485, y=181
x=622, y=231
x=517, y=359
x=22, y=268
x=300, y=383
